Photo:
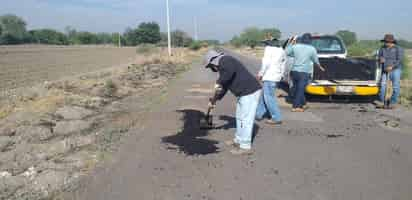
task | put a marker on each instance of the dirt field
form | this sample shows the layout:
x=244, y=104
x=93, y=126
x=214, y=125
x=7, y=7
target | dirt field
x=26, y=65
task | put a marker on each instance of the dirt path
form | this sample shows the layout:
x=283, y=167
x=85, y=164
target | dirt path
x=334, y=151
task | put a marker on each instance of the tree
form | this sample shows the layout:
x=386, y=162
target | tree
x=13, y=29
x=148, y=33
x=115, y=39
x=104, y=38
x=145, y=33
x=86, y=38
x=274, y=32
x=71, y=34
x=48, y=36
x=181, y=38
x=236, y=41
x=130, y=37
x=252, y=36
x=348, y=37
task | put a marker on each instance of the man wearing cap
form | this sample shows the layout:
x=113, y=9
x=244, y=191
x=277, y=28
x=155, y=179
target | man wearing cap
x=390, y=58
x=234, y=76
x=305, y=56
x=271, y=73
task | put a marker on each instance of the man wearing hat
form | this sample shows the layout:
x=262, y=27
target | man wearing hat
x=390, y=58
x=234, y=76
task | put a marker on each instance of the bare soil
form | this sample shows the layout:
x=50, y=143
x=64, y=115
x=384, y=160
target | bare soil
x=22, y=66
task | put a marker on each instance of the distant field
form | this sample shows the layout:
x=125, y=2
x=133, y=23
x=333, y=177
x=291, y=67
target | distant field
x=22, y=66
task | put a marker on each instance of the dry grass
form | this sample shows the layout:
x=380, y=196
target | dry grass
x=247, y=51
x=49, y=96
x=406, y=93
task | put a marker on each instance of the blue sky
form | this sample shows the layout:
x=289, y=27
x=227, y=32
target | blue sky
x=221, y=19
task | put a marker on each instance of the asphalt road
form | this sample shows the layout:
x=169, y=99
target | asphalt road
x=336, y=151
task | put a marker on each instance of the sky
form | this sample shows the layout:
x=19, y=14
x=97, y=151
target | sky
x=221, y=19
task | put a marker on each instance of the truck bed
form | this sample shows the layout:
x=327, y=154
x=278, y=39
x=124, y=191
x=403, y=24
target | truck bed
x=352, y=69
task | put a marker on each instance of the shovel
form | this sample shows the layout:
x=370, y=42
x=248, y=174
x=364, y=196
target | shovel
x=388, y=91
x=206, y=122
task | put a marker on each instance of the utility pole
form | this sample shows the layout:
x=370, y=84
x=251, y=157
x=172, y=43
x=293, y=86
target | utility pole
x=169, y=42
x=196, y=31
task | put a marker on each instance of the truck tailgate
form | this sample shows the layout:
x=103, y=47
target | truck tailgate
x=353, y=71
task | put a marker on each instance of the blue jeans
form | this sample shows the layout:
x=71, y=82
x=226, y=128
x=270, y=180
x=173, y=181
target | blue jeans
x=395, y=76
x=300, y=81
x=268, y=102
x=245, y=119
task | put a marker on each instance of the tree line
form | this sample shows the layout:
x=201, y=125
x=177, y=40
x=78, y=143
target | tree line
x=13, y=31
x=253, y=36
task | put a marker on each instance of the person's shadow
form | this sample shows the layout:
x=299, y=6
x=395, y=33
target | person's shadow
x=190, y=139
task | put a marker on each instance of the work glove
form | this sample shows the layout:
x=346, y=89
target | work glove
x=212, y=104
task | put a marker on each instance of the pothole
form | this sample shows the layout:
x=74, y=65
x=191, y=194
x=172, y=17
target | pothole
x=389, y=122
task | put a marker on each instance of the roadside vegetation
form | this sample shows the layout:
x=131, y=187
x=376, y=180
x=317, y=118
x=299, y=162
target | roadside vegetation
x=13, y=31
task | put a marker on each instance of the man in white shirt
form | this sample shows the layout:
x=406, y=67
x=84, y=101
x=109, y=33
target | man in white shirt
x=271, y=73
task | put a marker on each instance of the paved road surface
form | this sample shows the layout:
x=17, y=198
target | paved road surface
x=334, y=151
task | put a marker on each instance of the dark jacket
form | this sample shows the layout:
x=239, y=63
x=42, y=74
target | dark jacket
x=234, y=76
x=393, y=56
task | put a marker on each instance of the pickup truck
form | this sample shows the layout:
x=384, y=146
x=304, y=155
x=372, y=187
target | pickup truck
x=343, y=76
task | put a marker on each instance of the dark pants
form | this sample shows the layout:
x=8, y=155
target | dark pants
x=300, y=81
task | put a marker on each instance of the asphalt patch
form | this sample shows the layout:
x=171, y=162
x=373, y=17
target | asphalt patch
x=389, y=122
x=191, y=139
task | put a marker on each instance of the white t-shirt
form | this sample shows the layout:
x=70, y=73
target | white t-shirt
x=273, y=64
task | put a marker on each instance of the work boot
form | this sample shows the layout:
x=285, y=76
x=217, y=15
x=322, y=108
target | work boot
x=273, y=122
x=232, y=143
x=240, y=151
x=379, y=104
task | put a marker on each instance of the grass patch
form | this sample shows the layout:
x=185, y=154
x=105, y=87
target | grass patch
x=406, y=95
x=110, y=88
x=406, y=70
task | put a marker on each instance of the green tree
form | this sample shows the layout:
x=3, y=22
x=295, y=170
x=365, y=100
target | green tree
x=104, y=38
x=115, y=39
x=274, y=32
x=236, y=41
x=252, y=36
x=86, y=38
x=71, y=34
x=348, y=37
x=405, y=44
x=145, y=33
x=181, y=38
x=148, y=33
x=130, y=37
x=13, y=29
x=48, y=36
